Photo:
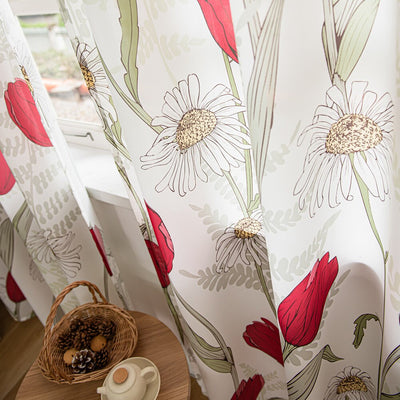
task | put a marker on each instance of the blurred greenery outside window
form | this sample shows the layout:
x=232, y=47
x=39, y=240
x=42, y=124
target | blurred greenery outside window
x=61, y=75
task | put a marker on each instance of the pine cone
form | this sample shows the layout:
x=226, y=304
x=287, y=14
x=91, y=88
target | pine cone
x=101, y=358
x=92, y=328
x=65, y=341
x=75, y=325
x=82, y=340
x=83, y=362
x=82, y=336
x=109, y=329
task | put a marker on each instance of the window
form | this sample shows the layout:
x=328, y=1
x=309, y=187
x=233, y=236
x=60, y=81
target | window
x=51, y=48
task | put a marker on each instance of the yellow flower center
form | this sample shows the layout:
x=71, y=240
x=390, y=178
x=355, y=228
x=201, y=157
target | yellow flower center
x=353, y=133
x=247, y=228
x=26, y=77
x=194, y=126
x=351, y=383
x=88, y=77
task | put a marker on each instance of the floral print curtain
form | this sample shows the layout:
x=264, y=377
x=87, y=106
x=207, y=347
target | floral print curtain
x=257, y=144
x=49, y=233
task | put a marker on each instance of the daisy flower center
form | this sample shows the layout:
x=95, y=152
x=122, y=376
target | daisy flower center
x=247, y=228
x=26, y=77
x=353, y=133
x=88, y=77
x=351, y=383
x=194, y=126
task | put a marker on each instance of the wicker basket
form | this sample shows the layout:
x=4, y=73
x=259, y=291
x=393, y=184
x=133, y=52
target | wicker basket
x=50, y=358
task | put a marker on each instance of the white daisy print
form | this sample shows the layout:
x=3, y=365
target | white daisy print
x=197, y=132
x=242, y=242
x=92, y=71
x=348, y=136
x=350, y=384
x=55, y=250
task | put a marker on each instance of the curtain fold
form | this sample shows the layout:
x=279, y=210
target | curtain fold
x=257, y=144
x=43, y=197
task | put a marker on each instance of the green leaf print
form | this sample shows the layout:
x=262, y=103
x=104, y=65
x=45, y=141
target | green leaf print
x=302, y=384
x=345, y=32
x=219, y=358
x=261, y=89
x=392, y=358
x=129, y=44
x=361, y=325
x=355, y=37
x=7, y=242
x=238, y=275
x=385, y=396
x=22, y=221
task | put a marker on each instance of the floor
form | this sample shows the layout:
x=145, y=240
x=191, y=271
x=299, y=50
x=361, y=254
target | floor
x=20, y=343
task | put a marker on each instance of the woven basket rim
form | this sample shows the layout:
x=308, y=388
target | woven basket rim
x=49, y=359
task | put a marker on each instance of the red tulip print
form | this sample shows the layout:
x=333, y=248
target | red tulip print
x=265, y=337
x=159, y=263
x=300, y=313
x=163, y=254
x=7, y=179
x=13, y=291
x=249, y=390
x=217, y=14
x=98, y=239
x=22, y=110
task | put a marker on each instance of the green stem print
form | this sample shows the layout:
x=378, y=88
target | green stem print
x=252, y=202
x=365, y=198
x=174, y=313
x=220, y=358
x=264, y=287
x=237, y=193
x=137, y=198
x=113, y=133
x=129, y=48
x=135, y=107
x=367, y=205
x=287, y=350
x=247, y=153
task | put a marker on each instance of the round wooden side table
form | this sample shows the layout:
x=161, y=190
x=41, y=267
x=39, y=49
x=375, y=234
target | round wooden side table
x=156, y=342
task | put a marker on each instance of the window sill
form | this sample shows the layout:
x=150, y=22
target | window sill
x=99, y=175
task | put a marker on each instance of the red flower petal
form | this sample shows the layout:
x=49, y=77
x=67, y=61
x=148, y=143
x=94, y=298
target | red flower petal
x=163, y=238
x=7, y=179
x=98, y=239
x=250, y=389
x=22, y=110
x=13, y=291
x=217, y=14
x=301, y=311
x=159, y=263
x=265, y=337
